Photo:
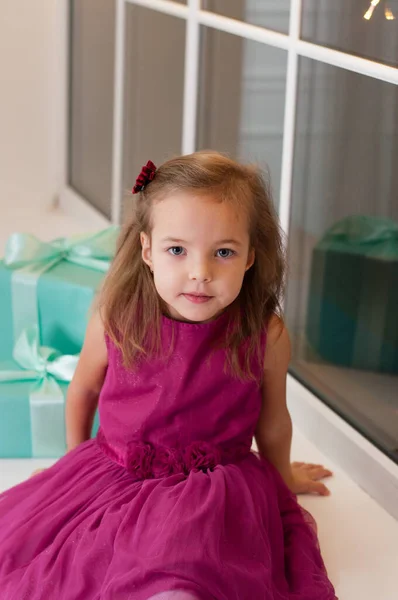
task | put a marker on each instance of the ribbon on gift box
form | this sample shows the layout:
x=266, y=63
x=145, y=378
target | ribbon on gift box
x=30, y=258
x=45, y=366
x=375, y=237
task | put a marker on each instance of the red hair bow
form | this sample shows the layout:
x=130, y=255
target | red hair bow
x=148, y=172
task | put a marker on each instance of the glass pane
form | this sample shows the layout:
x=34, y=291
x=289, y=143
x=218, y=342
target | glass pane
x=361, y=27
x=343, y=290
x=91, y=100
x=154, y=79
x=241, y=100
x=271, y=14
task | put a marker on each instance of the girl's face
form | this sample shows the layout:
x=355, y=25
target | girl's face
x=199, y=253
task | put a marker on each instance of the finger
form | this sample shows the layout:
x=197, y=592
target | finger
x=320, y=473
x=310, y=466
x=327, y=473
x=319, y=469
x=319, y=488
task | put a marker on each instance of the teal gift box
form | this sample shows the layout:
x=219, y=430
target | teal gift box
x=352, y=315
x=33, y=389
x=52, y=285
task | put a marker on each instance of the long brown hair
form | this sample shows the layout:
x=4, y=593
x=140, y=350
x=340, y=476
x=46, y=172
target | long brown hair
x=130, y=305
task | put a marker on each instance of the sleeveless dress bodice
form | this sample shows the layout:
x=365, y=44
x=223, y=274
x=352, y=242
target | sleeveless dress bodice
x=186, y=406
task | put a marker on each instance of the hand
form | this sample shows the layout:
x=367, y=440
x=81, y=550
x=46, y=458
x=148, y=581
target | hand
x=37, y=472
x=305, y=479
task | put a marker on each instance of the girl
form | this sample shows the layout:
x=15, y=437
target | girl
x=188, y=357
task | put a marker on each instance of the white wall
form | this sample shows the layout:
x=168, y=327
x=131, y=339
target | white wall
x=28, y=86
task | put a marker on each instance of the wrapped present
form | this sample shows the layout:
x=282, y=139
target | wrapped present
x=52, y=285
x=352, y=317
x=32, y=399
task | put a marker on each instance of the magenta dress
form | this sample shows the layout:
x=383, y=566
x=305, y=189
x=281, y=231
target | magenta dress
x=167, y=497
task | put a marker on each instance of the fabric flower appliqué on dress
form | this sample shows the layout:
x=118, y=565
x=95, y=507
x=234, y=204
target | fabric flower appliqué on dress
x=201, y=456
x=139, y=460
x=166, y=462
x=144, y=461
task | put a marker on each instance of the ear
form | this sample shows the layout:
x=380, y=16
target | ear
x=146, y=252
x=250, y=259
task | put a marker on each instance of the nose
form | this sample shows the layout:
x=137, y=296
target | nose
x=200, y=271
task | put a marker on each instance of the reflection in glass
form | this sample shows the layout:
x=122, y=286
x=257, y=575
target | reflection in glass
x=343, y=290
x=154, y=80
x=91, y=100
x=241, y=100
x=271, y=14
x=362, y=27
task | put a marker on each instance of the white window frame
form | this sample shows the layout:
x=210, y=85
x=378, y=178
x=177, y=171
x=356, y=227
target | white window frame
x=374, y=471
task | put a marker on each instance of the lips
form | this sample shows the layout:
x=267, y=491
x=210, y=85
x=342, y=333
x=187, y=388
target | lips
x=196, y=298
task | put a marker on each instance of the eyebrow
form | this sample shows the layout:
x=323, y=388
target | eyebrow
x=219, y=243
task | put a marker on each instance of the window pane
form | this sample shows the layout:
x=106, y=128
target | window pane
x=341, y=24
x=271, y=14
x=241, y=100
x=154, y=80
x=91, y=100
x=343, y=290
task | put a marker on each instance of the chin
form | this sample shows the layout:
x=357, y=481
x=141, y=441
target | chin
x=200, y=316
x=181, y=310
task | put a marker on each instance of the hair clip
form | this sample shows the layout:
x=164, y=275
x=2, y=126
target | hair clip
x=147, y=174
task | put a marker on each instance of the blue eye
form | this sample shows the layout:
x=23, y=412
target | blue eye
x=225, y=253
x=176, y=250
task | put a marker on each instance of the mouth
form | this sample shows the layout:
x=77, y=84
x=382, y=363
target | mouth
x=197, y=298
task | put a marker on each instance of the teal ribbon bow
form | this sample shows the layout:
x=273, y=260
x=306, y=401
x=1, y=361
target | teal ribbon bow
x=30, y=258
x=375, y=237
x=45, y=366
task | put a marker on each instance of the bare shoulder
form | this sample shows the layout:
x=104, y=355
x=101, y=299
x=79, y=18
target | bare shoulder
x=278, y=348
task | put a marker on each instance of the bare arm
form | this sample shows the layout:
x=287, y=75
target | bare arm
x=274, y=428
x=85, y=387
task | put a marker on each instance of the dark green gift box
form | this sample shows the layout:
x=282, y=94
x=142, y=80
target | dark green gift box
x=352, y=317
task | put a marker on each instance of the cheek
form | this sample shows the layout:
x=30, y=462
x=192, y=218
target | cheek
x=162, y=283
x=238, y=279
x=164, y=261
x=161, y=260
x=166, y=271
x=240, y=273
x=233, y=278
